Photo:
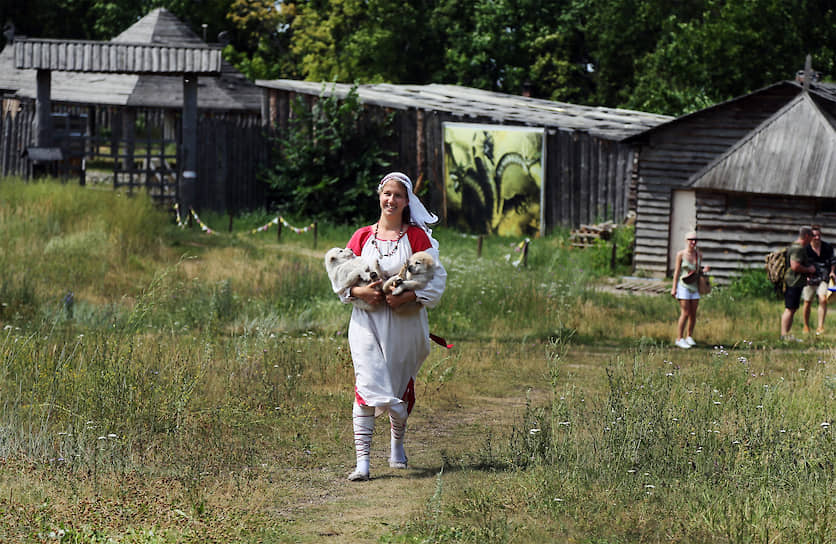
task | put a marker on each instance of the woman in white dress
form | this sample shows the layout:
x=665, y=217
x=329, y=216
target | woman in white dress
x=387, y=346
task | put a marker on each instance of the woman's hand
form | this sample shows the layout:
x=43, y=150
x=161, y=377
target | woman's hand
x=673, y=292
x=370, y=293
x=396, y=301
x=705, y=269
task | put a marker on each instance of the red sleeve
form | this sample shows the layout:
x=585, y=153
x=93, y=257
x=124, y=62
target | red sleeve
x=358, y=240
x=418, y=239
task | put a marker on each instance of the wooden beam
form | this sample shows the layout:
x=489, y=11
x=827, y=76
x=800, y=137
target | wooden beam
x=188, y=189
x=43, y=109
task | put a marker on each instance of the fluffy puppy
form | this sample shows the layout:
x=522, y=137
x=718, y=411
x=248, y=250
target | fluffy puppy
x=415, y=274
x=346, y=270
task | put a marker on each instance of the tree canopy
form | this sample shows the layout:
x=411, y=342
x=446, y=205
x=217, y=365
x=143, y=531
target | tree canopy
x=650, y=55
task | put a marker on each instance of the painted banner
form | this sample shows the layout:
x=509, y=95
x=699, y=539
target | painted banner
x=493, y=178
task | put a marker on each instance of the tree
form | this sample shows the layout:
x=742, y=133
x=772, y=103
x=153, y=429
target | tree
x=365, y=41
x=730, y=49
x=327, y=163
x=506, y=45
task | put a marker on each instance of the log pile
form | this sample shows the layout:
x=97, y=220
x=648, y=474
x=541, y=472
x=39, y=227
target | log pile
x=588, y=235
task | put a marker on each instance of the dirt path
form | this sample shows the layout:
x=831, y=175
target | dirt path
x=333, y=509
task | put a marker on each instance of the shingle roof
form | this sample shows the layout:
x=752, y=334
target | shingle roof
x=607, y=123
x=111, y=57
x=792, y=152
x=229, y=92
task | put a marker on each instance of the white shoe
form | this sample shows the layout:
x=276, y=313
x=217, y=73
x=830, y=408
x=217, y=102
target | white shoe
x=690, y=341
x=681, y=343
x=398, y=464
x=358, y=476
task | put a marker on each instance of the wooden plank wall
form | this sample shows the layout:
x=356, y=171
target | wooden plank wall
x=231, y=153
x=16, y=121
x=672, y=155
x=738, y=231
x=588, y=179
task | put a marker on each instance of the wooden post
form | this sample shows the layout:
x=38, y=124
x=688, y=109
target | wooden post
x=43, y=109
x=525, y=254
x=230, y=221
x=188, y=189
x=612, y=257
x=129, y=131
x=479, y=247
x=314, y=234
x=279, y=231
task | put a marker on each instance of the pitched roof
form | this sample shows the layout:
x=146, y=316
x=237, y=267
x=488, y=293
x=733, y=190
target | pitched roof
x=466, y=102
x=229, y=92
x=791, y=153
x=159, y=26
x=826, y=91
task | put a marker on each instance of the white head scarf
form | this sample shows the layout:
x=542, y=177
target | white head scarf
x=418, y=214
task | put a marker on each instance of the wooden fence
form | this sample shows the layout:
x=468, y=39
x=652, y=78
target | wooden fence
x=232, y=150
x=16, y=124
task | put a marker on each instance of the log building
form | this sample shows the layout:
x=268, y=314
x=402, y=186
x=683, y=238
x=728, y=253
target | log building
x=745, y=174
x=588, y=171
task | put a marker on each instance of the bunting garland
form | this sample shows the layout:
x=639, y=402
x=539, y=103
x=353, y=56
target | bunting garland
x=297, y=230
x=279, y=218
x=180, y=222
x=521, y=248
x=275, y=221
x=203, y=227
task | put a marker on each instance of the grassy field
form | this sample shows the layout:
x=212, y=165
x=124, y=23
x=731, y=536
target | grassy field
x=165, y=385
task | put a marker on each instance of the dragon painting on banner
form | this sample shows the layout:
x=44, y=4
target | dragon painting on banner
x=493, y=178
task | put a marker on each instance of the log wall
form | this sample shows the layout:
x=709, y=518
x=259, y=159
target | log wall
x=736, y=232
x=587, y=178
x=672, y=154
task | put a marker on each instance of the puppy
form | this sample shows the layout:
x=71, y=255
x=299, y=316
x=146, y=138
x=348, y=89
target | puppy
x=346, y=270
x=415, y=274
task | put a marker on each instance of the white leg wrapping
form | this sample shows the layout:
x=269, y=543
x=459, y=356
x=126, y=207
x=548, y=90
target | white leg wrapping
x=397, y=422
x=363, y=417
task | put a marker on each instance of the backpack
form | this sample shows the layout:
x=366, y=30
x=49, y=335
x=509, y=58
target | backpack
x=776, y=267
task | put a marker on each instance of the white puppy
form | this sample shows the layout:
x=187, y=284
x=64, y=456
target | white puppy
x=415, y=274
x=346, y=270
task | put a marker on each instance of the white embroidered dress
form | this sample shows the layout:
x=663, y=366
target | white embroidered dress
x=388, y=347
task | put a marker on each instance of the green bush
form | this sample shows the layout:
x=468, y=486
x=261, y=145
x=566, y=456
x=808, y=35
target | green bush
x=328, y=162
x=752, y=283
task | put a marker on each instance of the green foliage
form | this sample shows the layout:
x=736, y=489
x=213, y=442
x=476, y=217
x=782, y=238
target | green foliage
x=328, y=163
x=751, y=282
x=506, y=46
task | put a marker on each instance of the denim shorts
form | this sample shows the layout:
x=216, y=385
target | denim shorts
x=683, y=293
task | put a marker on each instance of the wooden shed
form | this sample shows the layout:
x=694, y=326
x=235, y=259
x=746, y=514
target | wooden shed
x=588, y=172
x=127, y=96
x=745, y=174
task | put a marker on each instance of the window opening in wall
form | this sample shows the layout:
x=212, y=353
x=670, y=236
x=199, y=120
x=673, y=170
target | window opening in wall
x=826, y=205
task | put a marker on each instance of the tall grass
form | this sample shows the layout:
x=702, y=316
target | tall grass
x=139, y=360
x=726, y=452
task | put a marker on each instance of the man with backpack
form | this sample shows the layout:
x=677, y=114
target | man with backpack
x=820, y=254
x=799, y=269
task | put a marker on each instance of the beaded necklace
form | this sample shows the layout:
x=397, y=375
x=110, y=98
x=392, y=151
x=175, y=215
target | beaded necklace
x=394, y=248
